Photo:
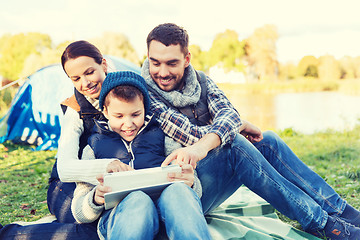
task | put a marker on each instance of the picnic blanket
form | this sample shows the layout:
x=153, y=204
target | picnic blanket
x=245, y=216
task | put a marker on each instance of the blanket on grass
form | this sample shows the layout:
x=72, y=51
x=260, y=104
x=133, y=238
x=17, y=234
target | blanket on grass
x=243, y=216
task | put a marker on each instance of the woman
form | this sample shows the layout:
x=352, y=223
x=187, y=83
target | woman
x=87, y=69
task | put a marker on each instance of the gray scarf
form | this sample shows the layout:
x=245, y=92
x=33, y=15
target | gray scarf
x=189, y=95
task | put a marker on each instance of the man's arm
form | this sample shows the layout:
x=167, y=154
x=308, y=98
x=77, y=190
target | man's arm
x=194, y=153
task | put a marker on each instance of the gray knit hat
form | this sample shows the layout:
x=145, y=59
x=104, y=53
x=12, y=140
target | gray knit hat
x=114, y=79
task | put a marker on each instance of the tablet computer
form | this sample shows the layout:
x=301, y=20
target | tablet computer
x=150, y=180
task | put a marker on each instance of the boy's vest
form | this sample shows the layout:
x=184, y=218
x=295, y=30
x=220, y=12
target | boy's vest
x=198, y=113
x=146, y=150
x=87, y=113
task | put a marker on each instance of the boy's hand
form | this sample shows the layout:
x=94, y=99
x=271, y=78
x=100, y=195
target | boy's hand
x=118, y=166
x=100, y=190
x=186, y=175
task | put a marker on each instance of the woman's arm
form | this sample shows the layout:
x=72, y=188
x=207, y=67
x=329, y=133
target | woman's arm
x=70, y=167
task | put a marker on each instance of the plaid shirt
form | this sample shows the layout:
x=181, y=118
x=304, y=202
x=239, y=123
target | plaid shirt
x=225, y=119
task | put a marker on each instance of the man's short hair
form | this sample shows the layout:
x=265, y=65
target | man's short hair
x=170, y=34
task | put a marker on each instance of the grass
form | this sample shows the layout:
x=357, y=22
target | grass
x=335, y=156
x=23, y=182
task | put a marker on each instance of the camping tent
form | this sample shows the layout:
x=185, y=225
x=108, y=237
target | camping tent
x=35, y=112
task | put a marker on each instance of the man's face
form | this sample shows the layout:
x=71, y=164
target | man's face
x=167, y=65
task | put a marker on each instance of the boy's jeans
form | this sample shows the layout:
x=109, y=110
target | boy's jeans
x=271, y=170
x=137, y=216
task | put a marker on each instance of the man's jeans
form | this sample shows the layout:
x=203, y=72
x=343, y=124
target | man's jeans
x=137, y=216
x=271, y=170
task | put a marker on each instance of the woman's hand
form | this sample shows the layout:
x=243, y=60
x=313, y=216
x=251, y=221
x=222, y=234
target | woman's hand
x=100, y=190
x=186, y=175
x=118, y=166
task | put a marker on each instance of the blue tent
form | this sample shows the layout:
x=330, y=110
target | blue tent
x=35, y=112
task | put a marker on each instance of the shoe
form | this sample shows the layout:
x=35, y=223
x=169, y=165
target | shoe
x=351, y=215
x=337, y=229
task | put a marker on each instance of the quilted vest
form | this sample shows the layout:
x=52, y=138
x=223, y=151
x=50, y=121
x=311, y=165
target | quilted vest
x=146, y=150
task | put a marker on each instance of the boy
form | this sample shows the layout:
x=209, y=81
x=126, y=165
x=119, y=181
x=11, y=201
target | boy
x=134, y=138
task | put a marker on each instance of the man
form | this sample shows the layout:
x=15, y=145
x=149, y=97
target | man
x=227, y=151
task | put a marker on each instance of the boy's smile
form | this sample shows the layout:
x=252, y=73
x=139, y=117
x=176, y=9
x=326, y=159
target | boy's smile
x=125, y=118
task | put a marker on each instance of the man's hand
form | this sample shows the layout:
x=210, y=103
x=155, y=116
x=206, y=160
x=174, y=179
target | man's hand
x=194, y=153
x=186, y=175
x=118, y=166
x=186, y=155
x=251, y=132
x=100, y=190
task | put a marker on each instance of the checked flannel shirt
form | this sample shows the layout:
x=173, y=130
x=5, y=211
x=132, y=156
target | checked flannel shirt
x=225, y=119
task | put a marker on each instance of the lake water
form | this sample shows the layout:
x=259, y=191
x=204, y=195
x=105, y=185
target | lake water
x=304, y=112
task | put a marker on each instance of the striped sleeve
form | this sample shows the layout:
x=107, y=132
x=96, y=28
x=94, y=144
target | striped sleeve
x=82, y=206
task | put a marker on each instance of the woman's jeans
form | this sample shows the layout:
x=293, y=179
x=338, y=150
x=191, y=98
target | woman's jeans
x=50, y=231
x=59, y=197
x=137, y=216
x=271, y=170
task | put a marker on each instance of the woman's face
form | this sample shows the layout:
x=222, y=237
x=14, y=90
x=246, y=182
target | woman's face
x=86, y=75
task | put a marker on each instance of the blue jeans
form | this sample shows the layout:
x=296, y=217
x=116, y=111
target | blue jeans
x=49, y=231
x=59, y=197
x=271, y=170
x=137, y=216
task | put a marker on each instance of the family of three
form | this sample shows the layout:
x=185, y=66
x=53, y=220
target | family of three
x=121, y=121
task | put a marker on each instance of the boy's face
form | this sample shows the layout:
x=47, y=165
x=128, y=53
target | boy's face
x=125, y=118
x=167, y=65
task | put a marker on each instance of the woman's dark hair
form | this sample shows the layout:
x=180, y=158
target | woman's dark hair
x=169, y=34
x=79, y=49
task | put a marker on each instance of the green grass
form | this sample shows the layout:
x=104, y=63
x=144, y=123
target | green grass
x=23, y=182
x=335, y=156
x=24, y=173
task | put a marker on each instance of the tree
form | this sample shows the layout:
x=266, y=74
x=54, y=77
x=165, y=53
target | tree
x=329, y=68
x=288, y=71
x=198, y=58
x=308, y=67
x=16, y=48
x=227, y=51
x=261, y=52
x=348, y=67
x=357, y=67
x=116, y=44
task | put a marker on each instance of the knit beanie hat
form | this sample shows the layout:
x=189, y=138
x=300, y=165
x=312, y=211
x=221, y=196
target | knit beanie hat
x=114, y=79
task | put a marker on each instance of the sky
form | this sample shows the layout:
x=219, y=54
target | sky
x=306, y=27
